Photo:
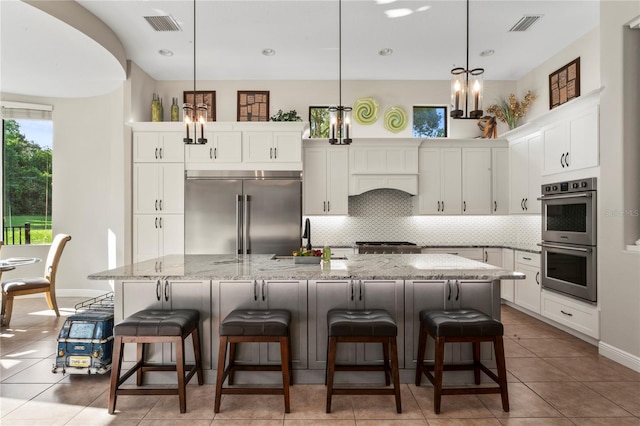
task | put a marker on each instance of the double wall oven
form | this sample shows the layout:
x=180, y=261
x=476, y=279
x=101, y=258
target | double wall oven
x=569, y=251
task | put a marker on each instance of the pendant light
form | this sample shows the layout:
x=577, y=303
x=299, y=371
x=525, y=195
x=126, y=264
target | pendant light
x=340, y=116
x=194, y=114
x=466, y=82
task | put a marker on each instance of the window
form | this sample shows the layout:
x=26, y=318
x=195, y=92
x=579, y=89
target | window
x=26, y=175
x=430, y=122
x=319, y=122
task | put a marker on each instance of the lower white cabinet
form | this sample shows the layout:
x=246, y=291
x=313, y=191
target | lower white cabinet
x=507, y=286
x=352, y=294
x=265, y=294
x=135, y=296
x=527, y=291
x=574, y=314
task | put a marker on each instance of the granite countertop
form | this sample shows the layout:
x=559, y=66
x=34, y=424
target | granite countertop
x=527, y=247
x=266, y=267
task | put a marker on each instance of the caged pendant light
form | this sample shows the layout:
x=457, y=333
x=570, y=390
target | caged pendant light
x=194, y=114
x=465, y=82
x=340, y=116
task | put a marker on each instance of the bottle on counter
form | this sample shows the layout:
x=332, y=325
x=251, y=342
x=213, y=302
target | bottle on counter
x=326, y=253
x=175, y=112
x=156, y=114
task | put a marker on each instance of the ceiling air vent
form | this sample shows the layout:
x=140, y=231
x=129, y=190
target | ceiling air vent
x=525, y=22
x=163, y=23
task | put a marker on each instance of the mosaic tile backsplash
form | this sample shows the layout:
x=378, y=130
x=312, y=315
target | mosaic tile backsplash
x=387, y=215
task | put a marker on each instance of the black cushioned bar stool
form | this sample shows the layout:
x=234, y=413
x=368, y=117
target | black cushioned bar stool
x=245, y=325
x=464, y=325
x=156, y=326
x=363, y=326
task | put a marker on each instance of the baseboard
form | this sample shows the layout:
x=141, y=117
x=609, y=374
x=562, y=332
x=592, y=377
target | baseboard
x=618, y=355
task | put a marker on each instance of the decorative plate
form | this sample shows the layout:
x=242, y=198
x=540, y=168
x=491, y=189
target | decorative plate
x=365, y=111
x=395, y=119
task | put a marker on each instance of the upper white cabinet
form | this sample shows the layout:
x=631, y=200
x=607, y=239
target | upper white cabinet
x=440, y=181
x=476, y=181
x=269, y=146
x=524, y=173
x=222, y=147
x=500, y=180
x=154, y=147
x=324, y=183
x=572, y=143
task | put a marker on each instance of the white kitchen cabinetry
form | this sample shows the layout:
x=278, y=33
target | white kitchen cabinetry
x=527, y=291
x=440, y=181
x=466, y=252
x=157, y=235
x=324, y=183
x=476, y=181
x=270, y=146
x=158, y=188
x=507, y=286
x=500, y=180
x=134, y=296
x=222, y=147
x=524, y=172
x=154, y=147
x=265, y=294
x=572, y=143
x=352, y=294
x=572, y=313
x=492, y=256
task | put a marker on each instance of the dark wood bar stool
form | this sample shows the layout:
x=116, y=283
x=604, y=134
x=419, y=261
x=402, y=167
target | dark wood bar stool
x=370, y=326
x=244, y=326
x=464, y=325
x=156, y=326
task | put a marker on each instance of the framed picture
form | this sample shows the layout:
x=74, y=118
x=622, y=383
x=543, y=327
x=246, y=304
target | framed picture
x=564, y=84
x=318, y=121
x=203, y=97
x=253, y=105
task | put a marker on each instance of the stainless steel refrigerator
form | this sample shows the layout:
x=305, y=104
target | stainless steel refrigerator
x=242, y=212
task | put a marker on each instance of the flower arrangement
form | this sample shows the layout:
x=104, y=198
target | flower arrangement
x=286, y=116
x=511, y=110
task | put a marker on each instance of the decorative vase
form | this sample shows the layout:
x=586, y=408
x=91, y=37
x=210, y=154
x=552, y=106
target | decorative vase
x=156, y=114
x=175, y=111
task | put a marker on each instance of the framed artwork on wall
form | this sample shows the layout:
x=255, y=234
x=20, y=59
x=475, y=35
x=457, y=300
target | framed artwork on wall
x=564, y=84
x=253, y=105
x=206, y=97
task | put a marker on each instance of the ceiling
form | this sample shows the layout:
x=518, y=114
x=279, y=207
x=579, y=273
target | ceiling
x=231, y=36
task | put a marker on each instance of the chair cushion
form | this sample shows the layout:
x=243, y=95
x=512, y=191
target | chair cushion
x=19, y=284
x=460, y=323
x=373, y=322
x=155, y=322
x=260, y=322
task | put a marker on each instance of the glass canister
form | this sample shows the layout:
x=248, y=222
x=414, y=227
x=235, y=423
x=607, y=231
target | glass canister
x=156, y=111
x=175, y=111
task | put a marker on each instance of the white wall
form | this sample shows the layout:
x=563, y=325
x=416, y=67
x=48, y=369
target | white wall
x=88, y=190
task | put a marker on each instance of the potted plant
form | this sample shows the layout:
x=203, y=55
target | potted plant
x=286, y=116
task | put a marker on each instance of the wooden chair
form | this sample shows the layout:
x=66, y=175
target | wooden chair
x=32, y=285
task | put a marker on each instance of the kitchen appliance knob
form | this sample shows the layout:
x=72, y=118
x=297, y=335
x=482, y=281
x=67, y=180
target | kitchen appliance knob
x=547, y=189
x=555, y=187
x=583, y=184
x=575, y=185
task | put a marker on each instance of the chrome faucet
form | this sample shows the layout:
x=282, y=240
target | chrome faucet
x=307, y=233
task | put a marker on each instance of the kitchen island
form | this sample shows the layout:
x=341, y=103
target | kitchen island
x=401, y=284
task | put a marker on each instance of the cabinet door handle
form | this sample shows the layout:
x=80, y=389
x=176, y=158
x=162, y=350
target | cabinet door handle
x=449, y=286
x=438, y=205
x=156, y=223
x=255, y=289
x=360, y=298
x=486, y=257
x=324, y=206
x=166, y=290
x=569, y=314
x=215, y=153
x=352, y=285
x=495, y=206
x=328, y=206
x=562, y=160
x=262, y=290
x=271, y=153
x=210, y=153
x=443, y=206
x=525, y=204
x=156, y=153
x=158, y=289
x=275, y=152
x=566, y=159
x=160, y=205
x=458, y=290
x=526, y=258
x=156, y=205
x=160, y=223
x=538, y=278
x=160, y=153
x=464, y=206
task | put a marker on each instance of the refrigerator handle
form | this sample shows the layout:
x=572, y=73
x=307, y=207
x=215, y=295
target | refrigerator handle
x=246, y=249
x=238, y=221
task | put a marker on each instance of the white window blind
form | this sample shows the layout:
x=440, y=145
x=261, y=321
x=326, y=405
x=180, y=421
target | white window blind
x=16, y=111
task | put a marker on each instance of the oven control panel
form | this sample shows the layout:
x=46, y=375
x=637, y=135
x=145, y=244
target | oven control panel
x=580, y=185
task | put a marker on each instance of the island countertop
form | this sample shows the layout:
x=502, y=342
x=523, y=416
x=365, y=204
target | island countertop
x=267, y=267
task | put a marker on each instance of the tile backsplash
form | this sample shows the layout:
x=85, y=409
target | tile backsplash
x=386, y=215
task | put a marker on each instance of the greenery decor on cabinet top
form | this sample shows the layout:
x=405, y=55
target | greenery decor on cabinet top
x=286, y=116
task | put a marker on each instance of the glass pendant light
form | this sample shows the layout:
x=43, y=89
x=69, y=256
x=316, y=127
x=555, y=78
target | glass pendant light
x=194, y=114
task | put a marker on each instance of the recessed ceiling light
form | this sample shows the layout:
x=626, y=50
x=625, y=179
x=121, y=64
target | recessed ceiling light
x=487, y=52
x=165, y=52
x=385, y=1
x=385, y=52
x=268, y=52
x=398, y=13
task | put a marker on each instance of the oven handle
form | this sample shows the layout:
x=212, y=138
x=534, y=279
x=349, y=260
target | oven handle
x=559, y=197
x=585, y=250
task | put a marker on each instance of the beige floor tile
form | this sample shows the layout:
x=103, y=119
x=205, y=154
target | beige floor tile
x=175, y=422
x=40, y=372
x=34, y=349
x=627, y=372
x=251, y=407
x=625, y=394
x=34, y=422
x=574, y=399
x=384, y=406
x=451, y=406
x=128, y=408
x=512, y=349
x=464, y=422
x=13, y=396
x=200, y=400
x=316, y=422
x=523, y=402
x=561, y=421
x=535, y=370
x=29, y=333
x=589, y=369
x=532, y=331
x=310, y=401
x=245, y=422
x=9, y=367
x=556, y=348
x=604, y=421
x=388, y=422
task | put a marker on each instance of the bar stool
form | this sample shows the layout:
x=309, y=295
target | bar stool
x=156, y=326
x=464, y=325
x=244, y=325
x=370, y=326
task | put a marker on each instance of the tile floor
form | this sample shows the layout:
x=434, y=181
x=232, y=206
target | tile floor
x=555, y=379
